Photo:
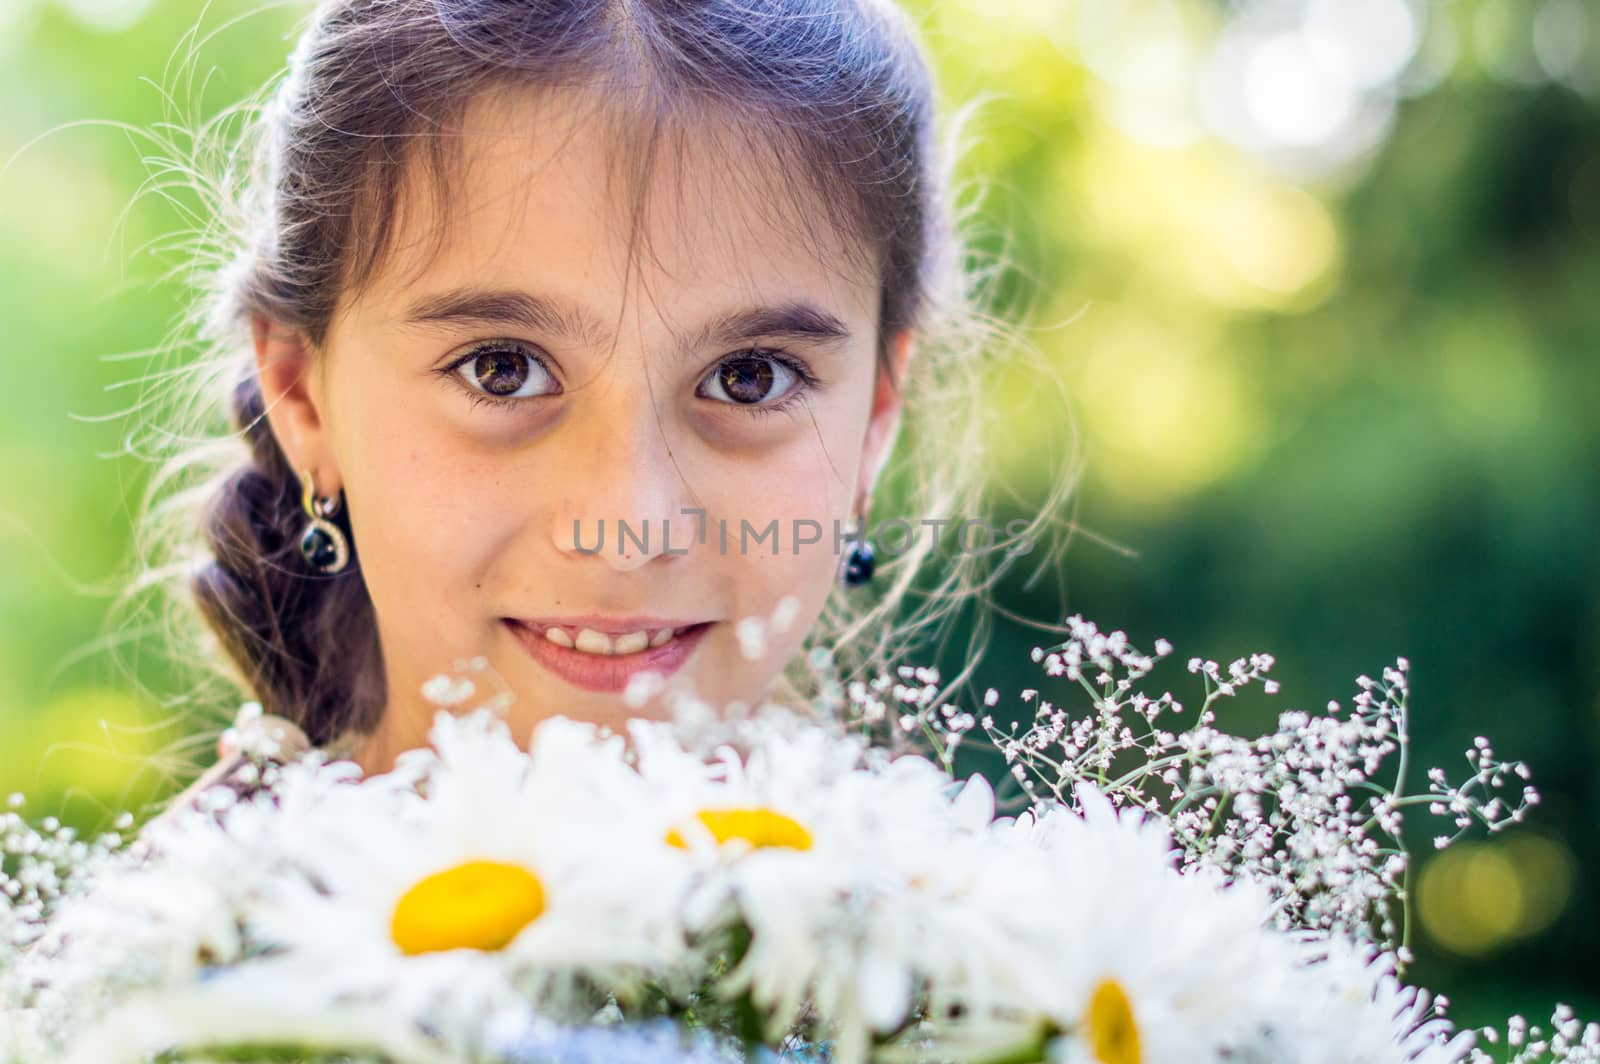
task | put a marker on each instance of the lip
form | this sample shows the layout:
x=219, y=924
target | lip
x=608, y=672
x=610, y=625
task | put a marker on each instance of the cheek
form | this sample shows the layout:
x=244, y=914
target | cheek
x=428, y=513
x=811, y=474
x=780, y=526
x=779, y=511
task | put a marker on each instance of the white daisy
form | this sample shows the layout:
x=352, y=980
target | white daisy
x=1153, y=965
x=241, y=1007
x=168, y=908
x=488, y=877
x=858, y=880
x=20, y=1037
x=1348, y=1006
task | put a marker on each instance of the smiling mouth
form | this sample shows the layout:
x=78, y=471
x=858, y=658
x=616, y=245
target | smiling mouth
x=605, y=644
x=602, y=661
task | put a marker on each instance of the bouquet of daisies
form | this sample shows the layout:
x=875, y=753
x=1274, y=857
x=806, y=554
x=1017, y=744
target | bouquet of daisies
x=771, y=886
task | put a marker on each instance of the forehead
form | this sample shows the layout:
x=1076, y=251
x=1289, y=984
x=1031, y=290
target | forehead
x=552, y=190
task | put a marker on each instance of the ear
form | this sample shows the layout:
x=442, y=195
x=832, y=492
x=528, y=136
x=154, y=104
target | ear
x=883, y=425
x=291, y=392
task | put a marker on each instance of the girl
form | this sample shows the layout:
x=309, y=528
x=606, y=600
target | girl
x=574, y=337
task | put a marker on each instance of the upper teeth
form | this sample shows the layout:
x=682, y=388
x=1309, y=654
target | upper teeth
x=592, y=642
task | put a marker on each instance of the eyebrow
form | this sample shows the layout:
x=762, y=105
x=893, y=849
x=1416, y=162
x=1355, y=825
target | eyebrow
x=792, y=320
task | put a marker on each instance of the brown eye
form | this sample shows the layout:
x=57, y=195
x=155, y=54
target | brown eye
x=499, y=373
x=505, y=373
x=749, y=379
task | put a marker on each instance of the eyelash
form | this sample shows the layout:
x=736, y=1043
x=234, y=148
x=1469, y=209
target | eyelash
x=448, y=371
x=808, y=380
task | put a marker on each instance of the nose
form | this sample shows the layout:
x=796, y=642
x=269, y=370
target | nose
x=623, y=494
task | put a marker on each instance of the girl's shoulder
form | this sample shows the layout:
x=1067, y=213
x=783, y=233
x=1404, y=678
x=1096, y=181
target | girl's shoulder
x=238, y=772
x=255, y=740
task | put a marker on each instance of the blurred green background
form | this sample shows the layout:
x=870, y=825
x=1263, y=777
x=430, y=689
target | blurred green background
x=1321, y=280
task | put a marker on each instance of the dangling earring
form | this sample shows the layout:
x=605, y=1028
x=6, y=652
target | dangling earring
x=857, y=566
x=322, y=544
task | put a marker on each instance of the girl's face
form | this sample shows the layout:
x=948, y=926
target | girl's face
x=538, y=384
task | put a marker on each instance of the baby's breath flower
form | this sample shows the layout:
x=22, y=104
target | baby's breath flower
x=1303, y=810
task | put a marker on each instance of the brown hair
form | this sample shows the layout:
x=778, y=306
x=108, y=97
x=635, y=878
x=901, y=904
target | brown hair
x=836, y=89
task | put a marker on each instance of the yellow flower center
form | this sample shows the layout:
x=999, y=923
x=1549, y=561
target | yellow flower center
x=476, y=905
x=1113, y=1034
x=759, y=827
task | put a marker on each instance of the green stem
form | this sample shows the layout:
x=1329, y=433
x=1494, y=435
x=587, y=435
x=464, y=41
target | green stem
x=750, y=1026
x=1029, y=1052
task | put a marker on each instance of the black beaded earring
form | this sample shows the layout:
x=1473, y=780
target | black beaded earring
x=857, y=567
x=322, y=544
